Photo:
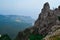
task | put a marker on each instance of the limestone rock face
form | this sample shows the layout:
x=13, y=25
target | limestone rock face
x=46, y=19
x=44, y=24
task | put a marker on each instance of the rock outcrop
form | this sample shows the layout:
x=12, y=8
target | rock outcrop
x=46, y=19
x=54, y=34
x=44, y=25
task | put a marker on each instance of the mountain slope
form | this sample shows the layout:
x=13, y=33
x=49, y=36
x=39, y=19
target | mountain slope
x=43, y=26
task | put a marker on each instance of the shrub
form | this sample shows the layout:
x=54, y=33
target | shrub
x=36, y=37
x=59, y=18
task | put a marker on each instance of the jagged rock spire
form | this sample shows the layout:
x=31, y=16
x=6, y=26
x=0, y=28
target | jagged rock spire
x=46, y=6
x=59, y=7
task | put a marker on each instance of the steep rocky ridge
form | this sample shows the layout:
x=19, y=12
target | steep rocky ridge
x=44, y=25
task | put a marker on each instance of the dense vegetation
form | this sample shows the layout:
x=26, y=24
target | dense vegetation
x=36, y=37
x=5, y=37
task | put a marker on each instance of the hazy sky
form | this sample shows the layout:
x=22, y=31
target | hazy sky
x=25, y=7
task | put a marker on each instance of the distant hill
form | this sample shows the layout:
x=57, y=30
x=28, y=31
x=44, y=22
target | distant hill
x=12, y=24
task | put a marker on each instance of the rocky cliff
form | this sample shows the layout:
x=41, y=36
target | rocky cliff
x=54, y=34
x=44, y=25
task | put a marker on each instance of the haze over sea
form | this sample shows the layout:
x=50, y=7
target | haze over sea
x=25, y=7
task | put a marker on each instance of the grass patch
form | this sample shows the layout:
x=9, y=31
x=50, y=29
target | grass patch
x=36, y=37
